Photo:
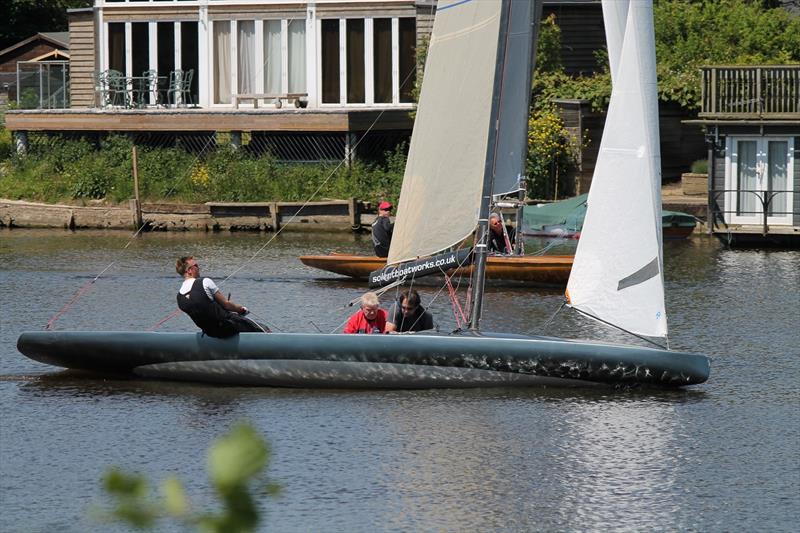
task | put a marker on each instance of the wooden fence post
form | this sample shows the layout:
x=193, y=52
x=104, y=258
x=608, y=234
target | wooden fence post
x=355, y=214
x=276, y=218
x=137, y=214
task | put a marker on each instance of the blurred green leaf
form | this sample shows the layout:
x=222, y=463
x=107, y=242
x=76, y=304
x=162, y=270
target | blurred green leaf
x=236, y=457
x=176, y=502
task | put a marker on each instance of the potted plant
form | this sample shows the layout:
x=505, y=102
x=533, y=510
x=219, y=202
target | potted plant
x=695, y=182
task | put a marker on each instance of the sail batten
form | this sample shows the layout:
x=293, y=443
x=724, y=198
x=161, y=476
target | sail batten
x=617, y=275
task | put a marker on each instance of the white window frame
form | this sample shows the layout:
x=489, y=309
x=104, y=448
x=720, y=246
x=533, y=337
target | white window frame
x=731, y=177
x=259, y=58
x=369, y=71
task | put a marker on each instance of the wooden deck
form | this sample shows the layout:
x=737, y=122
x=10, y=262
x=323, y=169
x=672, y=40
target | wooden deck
x=187, y=120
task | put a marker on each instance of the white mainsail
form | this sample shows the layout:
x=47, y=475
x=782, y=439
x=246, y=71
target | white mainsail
x=441, y=194
x=615, y=17
x=617, y=274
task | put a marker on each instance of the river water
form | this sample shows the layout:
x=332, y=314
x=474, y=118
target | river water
x=717, y=457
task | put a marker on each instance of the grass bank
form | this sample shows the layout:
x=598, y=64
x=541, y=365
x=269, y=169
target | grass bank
x=77, y=171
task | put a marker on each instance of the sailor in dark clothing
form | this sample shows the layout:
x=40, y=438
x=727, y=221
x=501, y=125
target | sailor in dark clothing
x=497, y=238
x=382, y=230
x=407, y=315
x=201, y=299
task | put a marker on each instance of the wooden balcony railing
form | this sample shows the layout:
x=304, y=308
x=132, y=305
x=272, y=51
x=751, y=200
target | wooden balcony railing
x=771, y=92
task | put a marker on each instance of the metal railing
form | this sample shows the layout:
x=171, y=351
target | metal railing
x=751, y=92
x=765, y=201
x=43, y=84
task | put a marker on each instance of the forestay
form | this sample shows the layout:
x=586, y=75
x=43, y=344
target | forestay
x=617, y=275
x=441, y=193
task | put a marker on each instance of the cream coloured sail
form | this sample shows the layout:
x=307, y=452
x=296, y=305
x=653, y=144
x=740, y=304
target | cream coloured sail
x=617, y=275
x=441, y=194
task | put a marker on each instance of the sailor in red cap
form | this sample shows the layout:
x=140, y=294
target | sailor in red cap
x=382, y=229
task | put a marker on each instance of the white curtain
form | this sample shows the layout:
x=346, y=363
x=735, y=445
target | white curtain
x=222, y=62
x=247, y=56
x=748, y=178
x=272, y=57
x=297, y=56
x=778, y=177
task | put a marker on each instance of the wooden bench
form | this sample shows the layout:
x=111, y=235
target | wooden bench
x=276, y=99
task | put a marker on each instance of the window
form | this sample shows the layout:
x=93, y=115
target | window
x=380, y=60
x=222, y=62
x=408, y=58
x=297, y=56
x=140, y=44
x=116, y=46
x=246, y=56
x=272, y=57
x=190, y=56
x=330, y=61
x=355, y=61
x=757, y=175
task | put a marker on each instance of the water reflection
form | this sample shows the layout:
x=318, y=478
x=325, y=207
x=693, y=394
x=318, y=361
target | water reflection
x=722, y=456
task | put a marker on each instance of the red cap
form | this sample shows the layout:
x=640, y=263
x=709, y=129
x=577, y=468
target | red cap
x=385, y=206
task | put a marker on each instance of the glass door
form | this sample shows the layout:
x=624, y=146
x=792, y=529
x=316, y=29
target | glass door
x=759, y=175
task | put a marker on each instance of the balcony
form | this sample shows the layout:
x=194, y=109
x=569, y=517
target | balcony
x=751, y=93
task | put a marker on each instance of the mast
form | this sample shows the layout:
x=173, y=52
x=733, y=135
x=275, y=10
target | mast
x=481, y=247
x=524, y=21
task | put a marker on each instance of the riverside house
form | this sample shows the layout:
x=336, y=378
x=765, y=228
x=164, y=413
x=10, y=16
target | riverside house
x=751, y=115
x=305, y=79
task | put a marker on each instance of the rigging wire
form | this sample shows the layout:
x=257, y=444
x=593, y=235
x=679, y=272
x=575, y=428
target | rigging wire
x=642, y=337
x=85, y=288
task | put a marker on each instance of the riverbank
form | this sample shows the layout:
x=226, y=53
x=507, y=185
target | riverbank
x=334, y=215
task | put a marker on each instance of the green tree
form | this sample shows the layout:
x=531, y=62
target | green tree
x=25, y=18
x=689, y=34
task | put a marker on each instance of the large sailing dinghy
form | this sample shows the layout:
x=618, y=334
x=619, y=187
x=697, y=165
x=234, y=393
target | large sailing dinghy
x=468, y=145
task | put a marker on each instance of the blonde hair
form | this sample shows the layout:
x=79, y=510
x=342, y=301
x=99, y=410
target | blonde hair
x=370, y=299
x=180, y=264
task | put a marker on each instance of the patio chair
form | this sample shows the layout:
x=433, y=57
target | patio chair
x=175, y=87
x=101, y=88
x=148, y=85
x=186, y=87
x=118, y=89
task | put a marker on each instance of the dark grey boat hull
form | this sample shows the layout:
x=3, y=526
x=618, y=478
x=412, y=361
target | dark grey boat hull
x=365, y=361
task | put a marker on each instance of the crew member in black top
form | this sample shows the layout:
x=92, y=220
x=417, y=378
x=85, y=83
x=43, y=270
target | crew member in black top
x=407, y=315
x=382, y=230
x=497, y=241
x=201, y=299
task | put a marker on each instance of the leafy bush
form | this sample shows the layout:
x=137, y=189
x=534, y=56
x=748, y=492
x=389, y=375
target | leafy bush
x=6, y=144
x=700, y=166
x=551, y=153
x=65, y=169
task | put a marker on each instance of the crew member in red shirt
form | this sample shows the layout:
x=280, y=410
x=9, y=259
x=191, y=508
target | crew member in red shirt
x=370, y=318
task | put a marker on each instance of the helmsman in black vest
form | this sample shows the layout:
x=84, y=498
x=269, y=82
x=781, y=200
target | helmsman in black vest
x=201, y=299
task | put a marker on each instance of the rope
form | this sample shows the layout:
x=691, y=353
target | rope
x=82, y=290
x=168, y=317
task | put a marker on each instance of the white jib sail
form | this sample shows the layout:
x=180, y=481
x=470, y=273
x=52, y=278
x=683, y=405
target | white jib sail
x=617, y=275
x=441, y=194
